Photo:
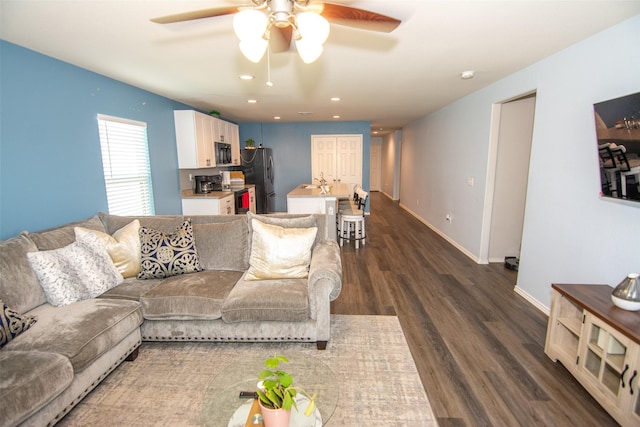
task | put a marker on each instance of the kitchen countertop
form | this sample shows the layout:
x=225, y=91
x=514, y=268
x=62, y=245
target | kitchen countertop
x=312, y=190
x=189, y=194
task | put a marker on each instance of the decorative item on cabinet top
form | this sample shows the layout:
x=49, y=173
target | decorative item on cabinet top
x=627, y=294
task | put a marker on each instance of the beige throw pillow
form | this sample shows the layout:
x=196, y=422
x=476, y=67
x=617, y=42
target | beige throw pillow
x=279, y=253
x=123, y=247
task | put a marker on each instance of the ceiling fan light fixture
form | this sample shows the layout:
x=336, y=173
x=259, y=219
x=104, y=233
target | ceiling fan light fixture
x=254, y=49
x=312, y=27
x=250, y=24
x=308, y=51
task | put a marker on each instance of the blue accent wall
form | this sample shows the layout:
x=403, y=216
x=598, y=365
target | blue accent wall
x=291, y=144
x=50, y=161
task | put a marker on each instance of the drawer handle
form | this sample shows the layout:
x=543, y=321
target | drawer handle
x=631, y=380
x=624, y=371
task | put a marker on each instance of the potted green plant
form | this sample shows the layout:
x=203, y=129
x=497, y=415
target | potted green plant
x=277, y=393
x=214, y=113
x=250, y=143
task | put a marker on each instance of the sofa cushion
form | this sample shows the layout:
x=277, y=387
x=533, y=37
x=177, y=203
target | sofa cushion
x=123, y=246
x=132, y=288
x=280, y=253
x=12, y=323
x=28, y=381
x=166, y=255
x=75, y=272
x=82, y=331
x=19, y=286
x=223, y=246
x=64, y=235
x=168, y=224
x=189, y=297
x=279, y=300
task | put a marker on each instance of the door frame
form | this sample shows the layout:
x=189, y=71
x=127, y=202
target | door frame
x=492, y=164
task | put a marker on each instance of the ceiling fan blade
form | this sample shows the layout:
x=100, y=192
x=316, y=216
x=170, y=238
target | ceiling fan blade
x=196, y=14
x=359, y=18
x=280, y=39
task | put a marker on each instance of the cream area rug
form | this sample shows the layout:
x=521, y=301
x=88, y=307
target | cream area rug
x=169, y=383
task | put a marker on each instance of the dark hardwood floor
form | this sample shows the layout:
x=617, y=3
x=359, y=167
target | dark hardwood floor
x=478, y=346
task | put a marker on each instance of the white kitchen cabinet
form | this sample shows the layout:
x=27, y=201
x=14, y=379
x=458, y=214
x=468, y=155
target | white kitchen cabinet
x=252, y=199
x=233, y=134
x=208, y=206
x=195, y=139
x=599, y=344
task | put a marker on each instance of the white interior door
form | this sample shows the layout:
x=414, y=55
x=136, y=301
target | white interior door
x=337, y=157
x=512, y=173
x=323, y=157
x=349, y=159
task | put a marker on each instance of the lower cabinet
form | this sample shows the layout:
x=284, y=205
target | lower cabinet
x=209, y=206
x=599, y=344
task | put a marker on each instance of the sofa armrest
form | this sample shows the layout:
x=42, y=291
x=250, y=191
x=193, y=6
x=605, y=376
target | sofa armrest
x=326, y=264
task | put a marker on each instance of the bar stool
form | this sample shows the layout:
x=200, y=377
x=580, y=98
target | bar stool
x=351, y=220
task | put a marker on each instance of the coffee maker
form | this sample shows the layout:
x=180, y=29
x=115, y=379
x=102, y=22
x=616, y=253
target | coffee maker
x=206, y=183
x=226, y=179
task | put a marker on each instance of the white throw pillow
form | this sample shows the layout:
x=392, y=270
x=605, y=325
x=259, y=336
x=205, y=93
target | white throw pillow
x=279, y=253
x=123, y=247
x=79, y=271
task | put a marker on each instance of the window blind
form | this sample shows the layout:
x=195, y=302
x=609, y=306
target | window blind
x=125, y=160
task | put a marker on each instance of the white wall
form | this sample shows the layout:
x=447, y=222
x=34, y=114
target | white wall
x=570, y=234
x=391, y=167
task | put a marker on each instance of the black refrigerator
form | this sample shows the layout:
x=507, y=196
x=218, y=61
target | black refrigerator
x=257, y=165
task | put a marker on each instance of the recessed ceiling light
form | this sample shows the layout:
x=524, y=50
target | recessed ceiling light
x=335, y=99
x=336, y=117
x=466, y=75
x=247, y=77
x=252, y=101
x=277, y=117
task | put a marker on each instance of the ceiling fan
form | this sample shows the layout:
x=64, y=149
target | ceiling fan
x=273, y=23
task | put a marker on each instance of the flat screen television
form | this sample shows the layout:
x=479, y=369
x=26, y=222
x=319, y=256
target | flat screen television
x=618, y=132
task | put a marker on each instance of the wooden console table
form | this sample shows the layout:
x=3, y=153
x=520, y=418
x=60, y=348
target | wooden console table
x=599, y=344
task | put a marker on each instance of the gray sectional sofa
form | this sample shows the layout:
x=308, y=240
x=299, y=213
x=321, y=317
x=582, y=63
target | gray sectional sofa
x=68, y=349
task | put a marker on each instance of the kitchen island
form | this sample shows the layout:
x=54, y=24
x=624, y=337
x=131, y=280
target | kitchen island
x=308, y=198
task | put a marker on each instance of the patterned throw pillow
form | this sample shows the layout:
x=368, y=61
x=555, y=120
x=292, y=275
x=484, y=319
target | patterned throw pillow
x=12, y=323
x=164, y=255
x=75, y=272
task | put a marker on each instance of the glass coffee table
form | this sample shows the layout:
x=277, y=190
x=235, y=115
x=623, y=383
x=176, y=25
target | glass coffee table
x=222, y=406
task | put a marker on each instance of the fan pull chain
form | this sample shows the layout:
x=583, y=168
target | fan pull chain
x=269, y=82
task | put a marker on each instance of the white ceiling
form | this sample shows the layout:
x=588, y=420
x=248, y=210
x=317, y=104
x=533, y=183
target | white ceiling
x=388, y=79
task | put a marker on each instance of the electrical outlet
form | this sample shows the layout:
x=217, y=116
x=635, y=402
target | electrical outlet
x=470, y=181
x=190, y=177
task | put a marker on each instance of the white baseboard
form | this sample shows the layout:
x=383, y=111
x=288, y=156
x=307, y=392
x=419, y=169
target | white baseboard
x=441, y=234
x=389, y=196
x=531, y=300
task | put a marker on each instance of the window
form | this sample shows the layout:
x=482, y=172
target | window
x=125, y=160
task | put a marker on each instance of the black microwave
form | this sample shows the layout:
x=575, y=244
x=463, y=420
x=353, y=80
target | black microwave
x=223, y=154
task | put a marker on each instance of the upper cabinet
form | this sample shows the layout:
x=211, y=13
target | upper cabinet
x=234, y=139
x=196, y=134
x=195, y=139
